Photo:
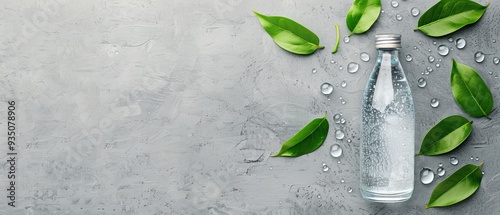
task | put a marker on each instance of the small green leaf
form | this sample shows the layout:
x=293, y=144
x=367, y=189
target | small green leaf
x=448, y=16
x=362, y=15
x=289, y=34
x=308, y=139
x=337, y=33
x=470, y=91
x=457, y=187
x=446, y=135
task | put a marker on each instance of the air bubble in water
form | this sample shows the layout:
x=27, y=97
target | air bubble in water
x=422, y=82
x=352, y=67
x=336, y=150
x=440, y=171
x=453, y=161
x=479, y=57
x=364, y=56
x=415, y=11
x=460, y=43
x=408, y=57
x=434, y=103
x=394, y=3
x=431, y=58
x=339, y=134
x=326, y=88
x=399, y=17
x=443, y=50
x=426, y=176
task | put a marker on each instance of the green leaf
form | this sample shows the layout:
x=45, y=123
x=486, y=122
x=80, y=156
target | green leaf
x=308, y=139
x=447, y=16
x=446, y=135
x=337, y=33
x=289, y=34
x=362, y=15
x=457, y=187
x=470, y=91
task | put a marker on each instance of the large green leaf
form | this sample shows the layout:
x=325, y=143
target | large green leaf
x=306, y=140
x=289, y=34
x=362, y=15
x=459, y=186
x=470, y=91
x=447, y=16
x=446, y=135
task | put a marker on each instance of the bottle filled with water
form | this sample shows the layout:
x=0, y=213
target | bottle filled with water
x=387, y=128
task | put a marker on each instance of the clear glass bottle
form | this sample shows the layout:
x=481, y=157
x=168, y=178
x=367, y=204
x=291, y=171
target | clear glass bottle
x=387, y=128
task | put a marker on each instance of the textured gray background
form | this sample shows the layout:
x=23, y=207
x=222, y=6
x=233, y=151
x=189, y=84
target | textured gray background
x=174, y=107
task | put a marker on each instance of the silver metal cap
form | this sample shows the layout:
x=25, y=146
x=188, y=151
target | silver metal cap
x=388, y=41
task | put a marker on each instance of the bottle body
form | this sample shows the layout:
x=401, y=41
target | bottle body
x=387, y=132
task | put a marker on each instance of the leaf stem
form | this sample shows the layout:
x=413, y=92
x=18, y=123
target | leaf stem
x=337, y=33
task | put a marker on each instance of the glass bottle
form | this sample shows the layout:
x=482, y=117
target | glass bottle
x=387, y=128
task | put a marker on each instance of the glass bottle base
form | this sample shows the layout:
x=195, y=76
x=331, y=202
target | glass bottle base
x=386, y=197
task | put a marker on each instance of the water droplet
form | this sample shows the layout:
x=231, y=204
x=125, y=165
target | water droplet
x=443, y=50
x=270, y=168
x=399, y=17
x=319, y=196
x=450, y=39
x=496, y=60
x=472, y=157
x=338, y=161
x=339, y=134
x=434, y=42
x=477, y=158
x=482, y=172
x=453, y=161
x=438, y=65
x=415, y=48
x=325, y=168
x=440, y=164
x=336, y=118
x=326, y=88
x=324, y=164
x=336, y=150
x=340, y=67
x=491, y=73
x=494, y=41
x=364, y=56
x=342, y=120
x=408, y=57
x=343, y=84
x=479, y=57
x=394, y=3
x=346, y=39
x=431, y=58
x=349, y=190
x=440, y=171
x=434, y=103
x=415, y=11
x=332, y=62
x=460, y=43
x=422, y=82
x=342, y=181
x=439, y=59
x=349, y=140
x=352, y=67
x=314, y=70
x=429, y=69
x=426, y=176
x=382, y=11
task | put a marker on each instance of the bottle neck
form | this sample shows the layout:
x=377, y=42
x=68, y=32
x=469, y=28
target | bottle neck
x=393, y=52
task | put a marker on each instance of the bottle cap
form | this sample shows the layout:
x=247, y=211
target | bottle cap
x=388, y=41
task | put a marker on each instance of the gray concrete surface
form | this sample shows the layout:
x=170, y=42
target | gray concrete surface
x=174, y=107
